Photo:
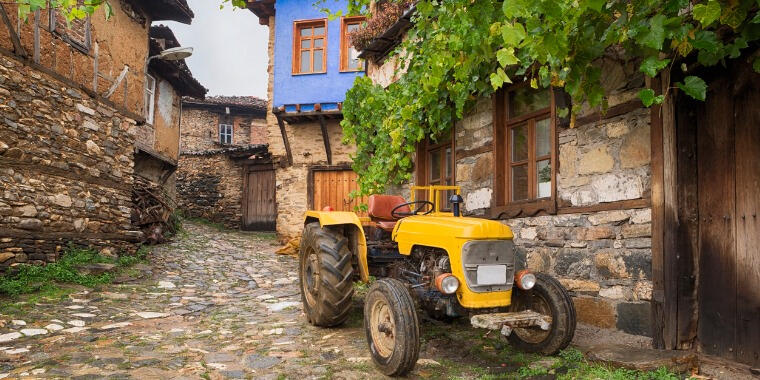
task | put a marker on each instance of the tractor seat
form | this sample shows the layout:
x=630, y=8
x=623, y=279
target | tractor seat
x=380, y=207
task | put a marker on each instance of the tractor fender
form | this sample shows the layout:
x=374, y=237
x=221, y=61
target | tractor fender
x=353, y=231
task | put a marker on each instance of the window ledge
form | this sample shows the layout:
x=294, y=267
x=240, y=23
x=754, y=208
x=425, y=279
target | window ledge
x=301, y=74
x=524, y=209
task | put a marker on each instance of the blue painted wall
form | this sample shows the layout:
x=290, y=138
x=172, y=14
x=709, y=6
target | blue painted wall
x=324, y=88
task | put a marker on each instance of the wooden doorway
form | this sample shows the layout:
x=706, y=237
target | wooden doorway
x=332, y=186
x=259, y=202
x=718, y=144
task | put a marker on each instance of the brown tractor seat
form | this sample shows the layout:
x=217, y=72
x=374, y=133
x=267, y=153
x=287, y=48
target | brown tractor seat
x=380, y=207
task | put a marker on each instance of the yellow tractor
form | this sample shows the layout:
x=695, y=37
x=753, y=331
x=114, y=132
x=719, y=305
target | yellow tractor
x=426, y=255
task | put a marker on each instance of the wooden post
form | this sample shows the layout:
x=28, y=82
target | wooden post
x=17, y=47
x=37, y=36
x=326, y=139
x=285, y=141
x=95, y=69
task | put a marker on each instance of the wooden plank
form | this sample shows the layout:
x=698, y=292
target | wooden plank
x=687, y=236
x=670, y=216
x=747, y=119
x=326, y=139
x=37, y=36
x=95, y=70
x=658, y=203
x=285, y=140
x=498, y=197
x=717, y=233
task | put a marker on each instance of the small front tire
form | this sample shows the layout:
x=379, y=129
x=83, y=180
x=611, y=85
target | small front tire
x=392, y=327
x=548, y=297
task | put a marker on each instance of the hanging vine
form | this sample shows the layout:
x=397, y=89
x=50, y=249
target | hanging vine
x=459, y=50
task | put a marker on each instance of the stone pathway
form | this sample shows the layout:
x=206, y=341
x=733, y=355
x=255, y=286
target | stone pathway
x=219, y=305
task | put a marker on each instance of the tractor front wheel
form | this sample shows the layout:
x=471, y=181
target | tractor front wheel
x=392, y=327
x=548, y=297
x=326, y=275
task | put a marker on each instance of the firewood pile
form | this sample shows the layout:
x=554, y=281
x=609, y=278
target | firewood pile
x=152, y=210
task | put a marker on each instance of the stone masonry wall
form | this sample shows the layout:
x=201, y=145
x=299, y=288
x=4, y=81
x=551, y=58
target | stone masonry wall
x=211, y=187
x=66, y=165
x=200, y=130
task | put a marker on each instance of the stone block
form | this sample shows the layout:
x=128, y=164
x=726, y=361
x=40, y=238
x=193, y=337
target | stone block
x=572, y=263
x=84, y=109
x=478, y=199
x=595, y=311
x=643, y=359
x=617, y=129
x=551, y=233
x=581, y=286
x=539, y=260
x=641, y=216
x=92, y=148
x=636, y=230
x=615, y=292
x=634, y=318
x=618, y=187
x=597, y=160
x=483, y=169
x=62, y=200
x=642, y=291
x=5, y=256
x=528, y=233
x=568, y=154
x=636, y=149
x=30, y=224
x=638, y=264
x=610, y=264
x=608, y=217
x=638, y=243
x=594, y=233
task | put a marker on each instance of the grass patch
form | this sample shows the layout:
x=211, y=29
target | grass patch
x=208, y=223
x=44, y=280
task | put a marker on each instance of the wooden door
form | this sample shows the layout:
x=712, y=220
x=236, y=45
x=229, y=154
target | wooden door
x=728, y=187
x=259, y=202
x=333, y=188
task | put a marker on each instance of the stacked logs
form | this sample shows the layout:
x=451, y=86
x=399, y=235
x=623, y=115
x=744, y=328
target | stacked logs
x=153, y=210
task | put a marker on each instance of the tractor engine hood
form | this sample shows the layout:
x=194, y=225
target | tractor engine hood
x=441, y=228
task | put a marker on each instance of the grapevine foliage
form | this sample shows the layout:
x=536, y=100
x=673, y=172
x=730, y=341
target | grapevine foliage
x=459, y=50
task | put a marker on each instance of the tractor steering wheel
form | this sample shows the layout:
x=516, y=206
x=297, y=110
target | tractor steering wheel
x=422, y=204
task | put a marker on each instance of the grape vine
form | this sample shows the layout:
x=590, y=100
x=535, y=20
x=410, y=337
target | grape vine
x=460, y=50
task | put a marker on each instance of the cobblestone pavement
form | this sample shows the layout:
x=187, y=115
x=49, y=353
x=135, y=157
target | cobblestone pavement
x=218, y=304
x=214, y=304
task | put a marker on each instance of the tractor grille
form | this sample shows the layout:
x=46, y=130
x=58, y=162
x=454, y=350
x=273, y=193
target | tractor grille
x=484, y=261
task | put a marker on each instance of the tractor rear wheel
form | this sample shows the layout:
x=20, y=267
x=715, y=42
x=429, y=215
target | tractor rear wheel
x=326, y=275
x=392, y=327
x=548, y=297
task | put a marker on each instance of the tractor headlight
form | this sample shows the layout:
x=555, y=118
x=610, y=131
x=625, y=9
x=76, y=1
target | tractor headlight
x=525, y=280
x=447, y=283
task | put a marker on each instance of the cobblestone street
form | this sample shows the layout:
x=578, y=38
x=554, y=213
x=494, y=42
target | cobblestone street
x=212, y=304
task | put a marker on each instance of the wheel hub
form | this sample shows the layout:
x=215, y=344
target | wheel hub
x=383, y=328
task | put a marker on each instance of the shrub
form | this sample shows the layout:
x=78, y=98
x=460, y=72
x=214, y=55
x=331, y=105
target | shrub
x=385, y=15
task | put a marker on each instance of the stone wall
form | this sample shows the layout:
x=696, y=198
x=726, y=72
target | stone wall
x=66, y=165
x=200, y=130
x=211, y=187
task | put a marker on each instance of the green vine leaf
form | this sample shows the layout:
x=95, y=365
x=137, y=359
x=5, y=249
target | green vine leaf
x=651, y=66
x=512, y=34
x=694, y=87
x=648, y=98
x=506, y=57
x=655, y=37
x=708, y=13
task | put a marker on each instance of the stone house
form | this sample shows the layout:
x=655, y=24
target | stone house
x=225, y=173
x=627, y=206
x=77, y=127
x=311, y=65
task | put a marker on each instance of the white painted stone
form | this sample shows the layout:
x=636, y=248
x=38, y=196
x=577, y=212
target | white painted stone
x=116, y=325
x=84, y=109
x=528, y=233
x=582, y=198
x=166, y=285
x=617, y=187
x=151, y=315
x=74, y=330
x=34, y=332
x=4, y=338
x=84, y=315
x=478, y=199
x=54, y=327
x=17, y=351
x=18, y=322
x=280, y=306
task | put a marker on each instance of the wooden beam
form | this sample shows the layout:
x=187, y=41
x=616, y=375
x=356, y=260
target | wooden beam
x=326, y=139
x=614, y=111
x=17, y=47
x=37, y=36
x=659, y=338
x=95, y=69
x=285, y=139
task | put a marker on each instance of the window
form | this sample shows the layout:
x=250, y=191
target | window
x=524, y=152
x=309, y=47
x=150, y=98
x=225, y=134
x=349, y=57
x=435, y=165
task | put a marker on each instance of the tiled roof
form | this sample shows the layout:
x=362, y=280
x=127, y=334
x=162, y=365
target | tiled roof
x=242, y=103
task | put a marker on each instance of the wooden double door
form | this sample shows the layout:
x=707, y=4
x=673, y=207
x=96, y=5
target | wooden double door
x=719, y=187
x=333, y=187
x=259, y=201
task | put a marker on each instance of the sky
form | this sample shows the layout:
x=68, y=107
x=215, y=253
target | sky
x=230, y=49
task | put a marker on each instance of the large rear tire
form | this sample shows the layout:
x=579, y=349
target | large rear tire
x=547, y=297
x=392, y=327
x=326, y=275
